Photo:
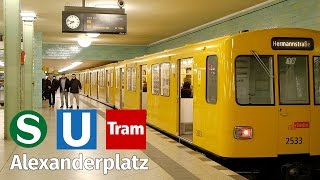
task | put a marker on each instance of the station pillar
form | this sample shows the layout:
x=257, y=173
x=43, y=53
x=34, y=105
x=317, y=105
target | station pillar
x=12, y=52
x=27, y=77
x=37, y=71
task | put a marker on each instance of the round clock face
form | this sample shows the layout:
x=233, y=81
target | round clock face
x=73, y=21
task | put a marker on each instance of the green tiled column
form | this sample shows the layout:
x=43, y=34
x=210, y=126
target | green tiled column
x=28, y=32
x=37, y=70
x=12, y=48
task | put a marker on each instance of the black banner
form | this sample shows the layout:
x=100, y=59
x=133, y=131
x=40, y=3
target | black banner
x=94, y=23
x=288, y=43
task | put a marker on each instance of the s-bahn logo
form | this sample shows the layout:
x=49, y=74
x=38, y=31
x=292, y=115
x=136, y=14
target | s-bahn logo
x=126, y=129
x=28, y=129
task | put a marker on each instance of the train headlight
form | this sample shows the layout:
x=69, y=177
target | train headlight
x=242, y=132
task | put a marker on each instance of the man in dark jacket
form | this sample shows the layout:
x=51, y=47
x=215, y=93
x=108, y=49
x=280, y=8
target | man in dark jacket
x=51, y=86
x=64, y=85
x=75, y=86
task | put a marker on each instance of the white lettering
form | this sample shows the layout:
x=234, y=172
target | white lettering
x=33, y=163
x=88, y=164
x=43, y=164
x=116, y=129
x=85, y=130
x=108, y=164
x=16, y=162
x=79, y=163
x=35, y=131
x=54, y=165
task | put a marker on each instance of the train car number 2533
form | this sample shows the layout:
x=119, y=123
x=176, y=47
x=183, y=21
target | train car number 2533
x=294, y=140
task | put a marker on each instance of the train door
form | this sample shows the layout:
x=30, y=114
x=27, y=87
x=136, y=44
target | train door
x=143, y=87
x=294, y=104
x=185, y=88
x=108, y=85
x=90, y=85
x=97, y=85
x=121, y=88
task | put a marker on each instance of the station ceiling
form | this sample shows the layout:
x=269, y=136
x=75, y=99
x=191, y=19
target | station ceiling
x=148, y=20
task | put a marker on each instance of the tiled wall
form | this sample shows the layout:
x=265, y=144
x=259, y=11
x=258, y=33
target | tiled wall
x=94, y=52
x=37, y=70
x=278, y=13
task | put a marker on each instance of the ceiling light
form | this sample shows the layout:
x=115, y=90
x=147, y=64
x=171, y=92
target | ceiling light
x=84, y=41
x=28, y=16
x=73, y=65
x=93, y=35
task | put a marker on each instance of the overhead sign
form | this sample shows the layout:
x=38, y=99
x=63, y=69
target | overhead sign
x=288, y=43
x=83, y=22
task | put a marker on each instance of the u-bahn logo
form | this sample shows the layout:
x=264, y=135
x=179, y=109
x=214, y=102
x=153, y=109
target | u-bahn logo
x=76, y=129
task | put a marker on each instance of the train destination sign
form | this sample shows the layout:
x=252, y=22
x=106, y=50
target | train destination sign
x=82, y=22
x=288, y=43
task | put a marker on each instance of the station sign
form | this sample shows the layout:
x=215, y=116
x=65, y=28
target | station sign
x=87, y=22
x=289, y=43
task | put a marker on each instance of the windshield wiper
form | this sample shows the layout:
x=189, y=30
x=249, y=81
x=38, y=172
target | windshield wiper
x=266, y=69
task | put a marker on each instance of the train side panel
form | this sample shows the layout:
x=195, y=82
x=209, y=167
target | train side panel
x=132, y=90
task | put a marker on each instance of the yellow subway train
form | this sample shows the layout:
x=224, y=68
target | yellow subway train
x=253, y=95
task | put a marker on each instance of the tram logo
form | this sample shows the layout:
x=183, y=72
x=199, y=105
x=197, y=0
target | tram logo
x=76, y=129
x=126, y=129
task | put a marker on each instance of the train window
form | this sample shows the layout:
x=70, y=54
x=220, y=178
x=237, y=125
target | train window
x=293, y=79
x=165, y=79
x=129, y=70
x=155, y=79
x=316, y=75
x=211, y=70
x=134, y=79
x=254, y=80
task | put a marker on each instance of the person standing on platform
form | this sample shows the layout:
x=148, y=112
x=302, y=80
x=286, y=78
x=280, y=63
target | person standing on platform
x=51, y=88
x=44, y=92
x=64, y=85
x=75, y=87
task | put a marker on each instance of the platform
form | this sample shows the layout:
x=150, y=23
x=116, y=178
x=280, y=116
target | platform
x=167, y=158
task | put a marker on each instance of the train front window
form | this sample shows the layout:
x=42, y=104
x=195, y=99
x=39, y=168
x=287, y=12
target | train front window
x=293, y=79
x=316, y=75
x=254, y=80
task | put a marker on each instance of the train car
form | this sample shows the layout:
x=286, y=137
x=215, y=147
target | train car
x=249, y=96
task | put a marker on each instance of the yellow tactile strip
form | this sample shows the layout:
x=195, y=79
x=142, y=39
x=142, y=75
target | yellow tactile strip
x=200, y=156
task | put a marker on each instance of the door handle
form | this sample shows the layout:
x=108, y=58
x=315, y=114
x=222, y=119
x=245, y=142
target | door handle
x=284, y=114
